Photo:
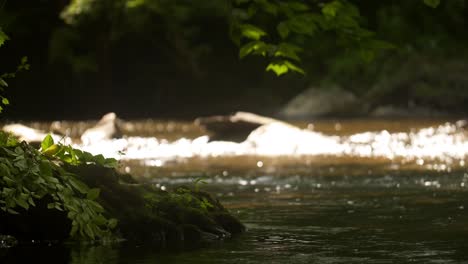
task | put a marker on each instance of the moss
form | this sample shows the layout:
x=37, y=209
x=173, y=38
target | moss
x=148, y=214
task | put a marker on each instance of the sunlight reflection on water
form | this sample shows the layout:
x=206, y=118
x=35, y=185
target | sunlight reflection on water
x=307, y=196
x=447, y=143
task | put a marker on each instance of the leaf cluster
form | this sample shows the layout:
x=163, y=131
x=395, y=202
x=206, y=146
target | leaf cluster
x=29, y=175
x=72, y=156
x=182, y=197
x=186, y=197
x=279, y=30
x=4, y=76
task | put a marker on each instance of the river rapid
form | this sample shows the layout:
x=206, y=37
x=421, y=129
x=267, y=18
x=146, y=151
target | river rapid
x=331, y=191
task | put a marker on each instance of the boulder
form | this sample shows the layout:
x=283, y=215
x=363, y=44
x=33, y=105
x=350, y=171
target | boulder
x=25, y=133
x=463, y=124
x=236, y=127
x=106, y=128
x=315, y=102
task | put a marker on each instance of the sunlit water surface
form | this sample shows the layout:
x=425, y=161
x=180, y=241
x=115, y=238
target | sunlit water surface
x=355, y=192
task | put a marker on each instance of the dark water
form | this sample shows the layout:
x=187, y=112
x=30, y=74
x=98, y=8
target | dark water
x=305, y=211
x=393, y=217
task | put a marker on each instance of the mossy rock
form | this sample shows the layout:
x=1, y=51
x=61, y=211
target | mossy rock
x=145, y=213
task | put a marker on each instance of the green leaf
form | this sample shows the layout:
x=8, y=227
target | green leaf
x=3, y=37
x=282, y=67
x=95, y=206
x=432, y=3
x=367, y=55
x=283, y=30
x=74, y=229
x=71, y=214
x=293, y=67
x=47, y=142
x=288, y=50
x=52, y=150
x=31, y=201
x=135, y=3
x=329, y=10
x=51, y=179
x=305, y=24
x=58, y=207
x=11, y=211
x=3, y=82
x=45, y=169
x=8, y=181
x=278, y=68
x=255, y=47
x=22, y=203
x=7, y=190
x=112, y=223
x=79, y=185
x=89, y=231
x=298, y=6
x=240, y=13
x=99, y=159
x=252, y=32
x=4, y=170
x=111, y=163
x=268, y=7
x=21, y=164
x=93, y=194
x=100, y=220
x=5, y=101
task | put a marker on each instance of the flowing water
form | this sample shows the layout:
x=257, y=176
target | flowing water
x=335, y=192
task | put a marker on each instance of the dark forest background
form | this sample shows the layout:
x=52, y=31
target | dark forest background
x=177, y=59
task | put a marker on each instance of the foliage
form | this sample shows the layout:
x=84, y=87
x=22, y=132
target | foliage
x=198, y=181
x=432, y=3
x=186, y=197
x=343, y=42
x=181, y=197
x=3, y=76
x=73, y=156
x=294, y=23
x=28, y=176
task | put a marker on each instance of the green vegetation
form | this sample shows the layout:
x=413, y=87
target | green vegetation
x=29, y=177
x=58, y=192
x=4, y=76
x=295, y=23
x=168, y=52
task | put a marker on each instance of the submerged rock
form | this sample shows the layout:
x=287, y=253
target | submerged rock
x=106, y=128
x=462, y=124
x=236, y=127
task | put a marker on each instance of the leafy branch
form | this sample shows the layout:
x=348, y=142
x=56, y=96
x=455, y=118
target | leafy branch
x=4, y=76
x=29, y=175
x=292, y=22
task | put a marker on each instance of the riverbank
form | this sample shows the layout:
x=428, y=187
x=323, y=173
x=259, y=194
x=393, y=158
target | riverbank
x=63, y=194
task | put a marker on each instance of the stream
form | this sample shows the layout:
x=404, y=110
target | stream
x=335, y=191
